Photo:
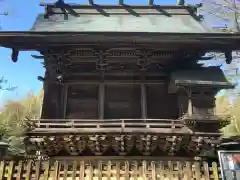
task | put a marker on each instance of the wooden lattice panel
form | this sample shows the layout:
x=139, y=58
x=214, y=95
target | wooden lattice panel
x=107, y=170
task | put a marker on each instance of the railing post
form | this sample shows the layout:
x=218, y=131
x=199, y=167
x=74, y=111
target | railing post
x=215, y=171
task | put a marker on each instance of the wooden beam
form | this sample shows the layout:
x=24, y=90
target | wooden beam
x=65, y=100
x=150, y=2
x=101, y=97
x=115, y=82
x=91, y=2
x=122, y=158
x=143, y=101
x=121, y=2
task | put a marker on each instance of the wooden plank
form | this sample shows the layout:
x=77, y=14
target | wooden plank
x=206, y=171
x=82, y=171
x=138, y=130
x=103, y=121
x=37, y=170
x=170, y=170
x=215, y=171
x=74, y=170
x=127, y=173
x=29, y=170
x=161, y=170
x=46, y=171
x=120, y=158
x=65, y=169
x=19, y=170
x=2, y=170
x=150, y=82
x=10, y=170
x=90, y=172
x=82, y=124
x=197, y=171
x=56, y=171
x=180, y=170
x=135, y=170
x=144, y=170
x=109, y=170
x=153, y=168
x=100, y=168
x=189, y=170
x=118, y=166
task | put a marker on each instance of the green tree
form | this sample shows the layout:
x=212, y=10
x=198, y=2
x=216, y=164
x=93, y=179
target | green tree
x=14, y=117
x=230, y=111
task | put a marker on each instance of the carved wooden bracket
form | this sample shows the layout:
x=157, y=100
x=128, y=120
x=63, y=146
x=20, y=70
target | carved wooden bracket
x=121, y=144
x=143, y=58
x=15, y=53
x=98, y=144
x=146, y=144
x=101, y=55
x=228, y=56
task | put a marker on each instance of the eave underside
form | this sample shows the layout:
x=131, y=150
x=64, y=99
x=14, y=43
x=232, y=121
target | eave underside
x=144, y=144
x=43, y=40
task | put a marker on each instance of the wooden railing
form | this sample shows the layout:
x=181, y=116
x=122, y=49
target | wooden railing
x=77, y=124
x=80, y=169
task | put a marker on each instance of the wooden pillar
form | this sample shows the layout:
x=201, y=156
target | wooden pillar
x=143, y=102
x=180, y=104
x=65, y=97
x=101, y=98
x=190, y=108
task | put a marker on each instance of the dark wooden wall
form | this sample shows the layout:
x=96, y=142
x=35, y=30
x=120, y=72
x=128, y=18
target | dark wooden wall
x=120, y=101
x=52, y=101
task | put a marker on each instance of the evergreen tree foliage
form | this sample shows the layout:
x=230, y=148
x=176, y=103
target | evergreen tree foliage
x=231, y=111
x=14, y=117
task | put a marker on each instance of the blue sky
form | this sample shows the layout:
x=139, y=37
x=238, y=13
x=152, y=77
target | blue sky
x=22, y=14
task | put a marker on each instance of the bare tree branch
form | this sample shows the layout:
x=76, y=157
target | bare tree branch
x=223, y=9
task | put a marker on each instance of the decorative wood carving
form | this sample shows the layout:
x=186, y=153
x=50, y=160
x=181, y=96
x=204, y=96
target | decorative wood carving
x=146, y=144
x=52, y=145
x=121, y=144
x=98, y=144
x=143, y=58
x=101, y=61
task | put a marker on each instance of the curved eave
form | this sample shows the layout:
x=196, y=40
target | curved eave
x=36, y=40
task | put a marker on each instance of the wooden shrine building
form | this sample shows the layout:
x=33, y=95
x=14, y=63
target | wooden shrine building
x=123, y=87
